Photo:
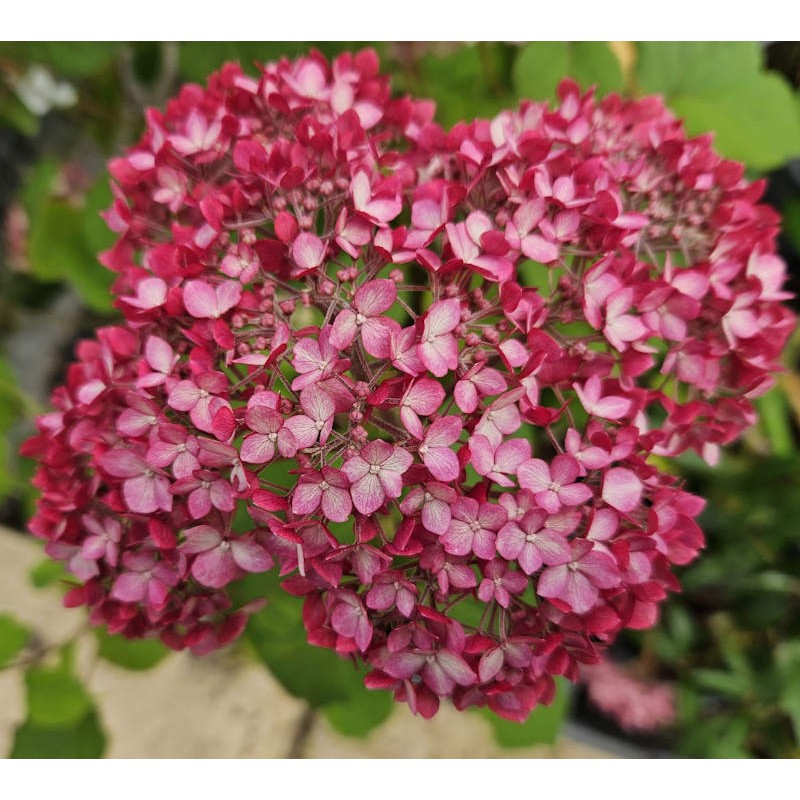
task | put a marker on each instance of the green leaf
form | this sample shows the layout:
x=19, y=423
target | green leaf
x=754, y=122
x=593, y=63
x=55, y=697
x=72, y=59
x=199, y=59
x=14, y=113
x=467, y=83
x=46, y=573
x=58, y=250
x=134, y=654
x=541, y=727
x=361, y=714
x=721, y=87
x=717, y=680
x=84, y=739
x=13, y=638
x=690, y=68
x=540, y=67
x=97, y=234
x=774, y=412
x=278, y=637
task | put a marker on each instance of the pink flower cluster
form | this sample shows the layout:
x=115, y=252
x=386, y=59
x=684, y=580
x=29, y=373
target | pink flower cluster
x=634, y=704
x=428, y=368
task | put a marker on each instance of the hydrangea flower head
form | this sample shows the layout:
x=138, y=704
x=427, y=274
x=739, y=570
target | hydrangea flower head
x=462, y=346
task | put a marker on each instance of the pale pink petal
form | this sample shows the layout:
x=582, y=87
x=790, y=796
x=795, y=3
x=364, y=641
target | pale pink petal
x=123, y=463
x=130, y=587
x=215, y=568
x=442, y=463
x=537, y=248
x=534, y=475
x=344, y=329
x=250, y=556
x=184, y=396
x=200, y=538
x=200, y=300
x=257, y=449
x=622, y=489
x=436, y=516
x=442, y=317
x=337, y=504
x=367, y=493
x=308, y=251
x=375, y=297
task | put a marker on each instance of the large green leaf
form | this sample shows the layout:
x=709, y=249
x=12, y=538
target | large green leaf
x=13, y=638
x=84, y=739
x=134, y=654
x=55, y=697
x=361, y=713
x=721, y=87
x=540, y=66
x=541, y=727
x=47, y=573
x=690, y=68
x=278, y=637
x=58, y=250
x=467, y=83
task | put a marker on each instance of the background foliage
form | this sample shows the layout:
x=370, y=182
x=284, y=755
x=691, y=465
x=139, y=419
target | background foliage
x=729, y=642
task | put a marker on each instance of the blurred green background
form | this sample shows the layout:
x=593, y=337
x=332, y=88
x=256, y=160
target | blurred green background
x=730, y=643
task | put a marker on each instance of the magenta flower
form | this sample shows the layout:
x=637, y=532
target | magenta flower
x=145, y=488
x=145, y=580
x=553, y=485
x=270, y=436
x=274, y=234
x=497, y=463
x=218, y=560
x=473, y=528
x=435, y=449
x=530, y=543
x=328, y=489
x=370, y=301
x=375, y=474
x=423, y=396
x=577, y=583
x=438, y=349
